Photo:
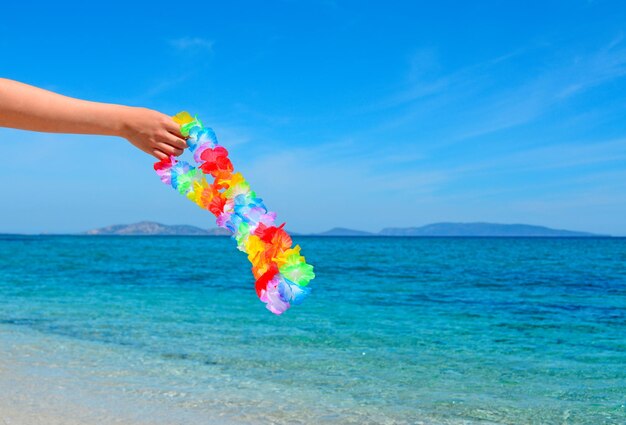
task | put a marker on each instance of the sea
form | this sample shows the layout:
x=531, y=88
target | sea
x=395, y=330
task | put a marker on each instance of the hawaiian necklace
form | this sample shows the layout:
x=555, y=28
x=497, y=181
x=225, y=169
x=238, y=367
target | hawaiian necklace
x=281, y=273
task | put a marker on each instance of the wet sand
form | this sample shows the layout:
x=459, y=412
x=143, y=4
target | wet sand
x=41, y=389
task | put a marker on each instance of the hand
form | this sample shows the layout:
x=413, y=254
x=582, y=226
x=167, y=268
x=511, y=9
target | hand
x=153, y=132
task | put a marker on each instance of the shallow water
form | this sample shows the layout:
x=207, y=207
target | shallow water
x=398, y=331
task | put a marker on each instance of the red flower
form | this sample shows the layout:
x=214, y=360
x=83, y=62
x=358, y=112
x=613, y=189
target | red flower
x=273, y=235
x=261, y=283
x=215, y=160
x=217, y=205
x=163, y=164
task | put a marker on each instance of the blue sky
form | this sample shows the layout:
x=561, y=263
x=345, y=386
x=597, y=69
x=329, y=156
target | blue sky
x=363, y=115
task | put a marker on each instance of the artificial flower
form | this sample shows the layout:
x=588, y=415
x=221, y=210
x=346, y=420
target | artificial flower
x=215, y=160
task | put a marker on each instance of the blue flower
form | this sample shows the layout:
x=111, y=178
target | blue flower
x=290, y=292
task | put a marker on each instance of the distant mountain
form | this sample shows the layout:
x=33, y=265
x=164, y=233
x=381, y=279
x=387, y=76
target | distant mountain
x=218, y=231
x=150, y=228
x=481, y=229
x=462, y=230
x=147, y=228
x=342, y=231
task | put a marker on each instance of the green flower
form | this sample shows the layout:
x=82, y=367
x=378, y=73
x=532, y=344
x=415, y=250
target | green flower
x=300, y=272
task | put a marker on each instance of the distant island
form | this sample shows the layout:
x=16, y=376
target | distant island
x=342, y=231
x=150, y=228
x=465, y=230
x=482, y=230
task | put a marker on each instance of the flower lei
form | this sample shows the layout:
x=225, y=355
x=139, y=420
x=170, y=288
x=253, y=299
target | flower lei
x=281, y=273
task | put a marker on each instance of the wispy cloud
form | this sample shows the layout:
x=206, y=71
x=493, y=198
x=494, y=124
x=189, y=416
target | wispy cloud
x=418, y=85
x=193, y=43
x=165, y=84
x=477, y=102
x=561, y=165
x=539, y=94
x=567, y=155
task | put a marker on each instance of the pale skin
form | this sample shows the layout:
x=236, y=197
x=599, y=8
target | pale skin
x=30, y=108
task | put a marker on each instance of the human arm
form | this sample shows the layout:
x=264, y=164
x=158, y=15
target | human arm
x=30, y=108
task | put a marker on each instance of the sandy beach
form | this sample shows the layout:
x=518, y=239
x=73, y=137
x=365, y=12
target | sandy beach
x=38, y=387
x=40, y=399
x=35, y=392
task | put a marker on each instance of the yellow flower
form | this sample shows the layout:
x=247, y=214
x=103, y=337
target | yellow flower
x=254, y=247
x=196, y=192
x=287, y=256
x=183, y=118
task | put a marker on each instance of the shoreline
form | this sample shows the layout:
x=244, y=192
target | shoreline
x=42, y=389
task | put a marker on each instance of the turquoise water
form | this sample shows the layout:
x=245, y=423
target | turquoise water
x=398, y=331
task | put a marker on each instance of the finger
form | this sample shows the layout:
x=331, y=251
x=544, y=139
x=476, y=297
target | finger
x=158, y=154
x=173, y=128
x=170, y=150
x=176, y=142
